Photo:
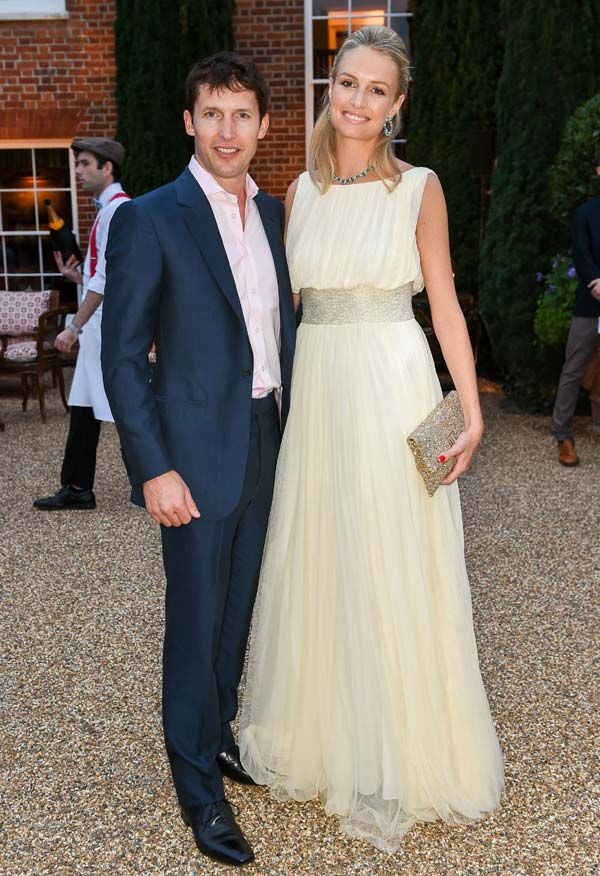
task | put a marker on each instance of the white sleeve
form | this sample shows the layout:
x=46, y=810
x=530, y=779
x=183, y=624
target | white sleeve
x=97, y=282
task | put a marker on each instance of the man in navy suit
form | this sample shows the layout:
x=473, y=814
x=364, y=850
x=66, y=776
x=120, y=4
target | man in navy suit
x=583, y=333
x=198, y=266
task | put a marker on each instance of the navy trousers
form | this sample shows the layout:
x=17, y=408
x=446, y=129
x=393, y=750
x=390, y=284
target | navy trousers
x=212, y=570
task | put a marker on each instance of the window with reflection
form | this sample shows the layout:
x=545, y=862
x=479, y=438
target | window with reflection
x=331, y=21
x=28, y=177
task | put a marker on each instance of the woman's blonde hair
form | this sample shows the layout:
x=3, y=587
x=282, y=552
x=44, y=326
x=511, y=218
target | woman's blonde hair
x=322, y=142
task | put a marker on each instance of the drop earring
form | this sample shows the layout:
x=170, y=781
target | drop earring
x=388, y=128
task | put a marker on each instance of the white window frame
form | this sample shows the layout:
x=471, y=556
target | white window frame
x=40, y=232
x=309, y=74
x=15, y=10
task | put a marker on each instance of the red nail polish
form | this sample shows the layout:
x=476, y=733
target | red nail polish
x=441, y=458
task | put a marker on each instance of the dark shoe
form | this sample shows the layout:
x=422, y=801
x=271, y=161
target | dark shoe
x=217, y=833
x=231, y=766
x=566, y=453
x=67, y=497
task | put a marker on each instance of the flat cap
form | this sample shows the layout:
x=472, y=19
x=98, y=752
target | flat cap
x=102, y=147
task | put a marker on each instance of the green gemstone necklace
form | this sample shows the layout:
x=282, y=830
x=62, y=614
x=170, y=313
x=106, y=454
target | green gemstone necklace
x=346, y=180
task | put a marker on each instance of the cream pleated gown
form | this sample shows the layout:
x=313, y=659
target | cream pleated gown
x=363, y=684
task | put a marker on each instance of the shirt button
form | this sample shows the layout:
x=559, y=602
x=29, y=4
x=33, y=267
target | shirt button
x=246, y=372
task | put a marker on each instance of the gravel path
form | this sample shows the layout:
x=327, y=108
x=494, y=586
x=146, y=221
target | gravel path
x=84, y=781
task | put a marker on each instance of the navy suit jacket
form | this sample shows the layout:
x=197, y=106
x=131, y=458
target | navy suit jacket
x=585, y=237
x=168, y=280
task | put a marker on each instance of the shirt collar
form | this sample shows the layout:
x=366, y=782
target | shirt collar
x=211, y=187
x=107, y=194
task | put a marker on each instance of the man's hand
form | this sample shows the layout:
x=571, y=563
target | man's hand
x=594, y=288
x=168, y=500
x=69, y=268
x=65, y=341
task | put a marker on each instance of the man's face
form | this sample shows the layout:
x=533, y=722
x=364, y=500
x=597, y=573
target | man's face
x=90, y=177
x=226, y=127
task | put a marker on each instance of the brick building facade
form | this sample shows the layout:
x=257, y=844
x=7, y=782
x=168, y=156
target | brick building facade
x=57, y=69
x=273, y=34
x=58, y=79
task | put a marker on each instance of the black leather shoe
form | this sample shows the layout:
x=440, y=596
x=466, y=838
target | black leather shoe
x=217, y=833
x=231, y=766
x=67, y=497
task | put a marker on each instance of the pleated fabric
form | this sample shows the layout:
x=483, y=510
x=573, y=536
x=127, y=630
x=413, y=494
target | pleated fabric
x=363, y=684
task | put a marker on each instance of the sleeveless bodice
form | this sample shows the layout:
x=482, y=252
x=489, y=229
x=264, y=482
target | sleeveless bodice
x=356, y=237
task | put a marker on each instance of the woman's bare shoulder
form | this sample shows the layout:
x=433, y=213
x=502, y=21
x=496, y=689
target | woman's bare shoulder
x=291, y=194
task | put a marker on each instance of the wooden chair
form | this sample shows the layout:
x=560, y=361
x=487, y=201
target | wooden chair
x=31, y=357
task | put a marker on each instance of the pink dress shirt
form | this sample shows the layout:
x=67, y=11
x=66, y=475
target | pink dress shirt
x=251, y=263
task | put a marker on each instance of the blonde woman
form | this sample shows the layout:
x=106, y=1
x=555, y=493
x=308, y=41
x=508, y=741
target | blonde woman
x=364, y=686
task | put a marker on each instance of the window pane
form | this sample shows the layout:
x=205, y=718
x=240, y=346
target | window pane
x=401, y=6
x=370, y=8
x=22, y=254
x=327, y=7
x=403, y=25
x=359, y=21
x=24, y=284
x=52, y=168
x=16, y=169
x=18, y=211
x=328, y=36
x=61, y=201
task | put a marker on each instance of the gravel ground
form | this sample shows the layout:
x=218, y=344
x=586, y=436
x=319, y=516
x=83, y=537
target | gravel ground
x=84, y=781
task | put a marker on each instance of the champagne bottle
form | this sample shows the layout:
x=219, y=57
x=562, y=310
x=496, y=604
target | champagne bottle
x=61, y=237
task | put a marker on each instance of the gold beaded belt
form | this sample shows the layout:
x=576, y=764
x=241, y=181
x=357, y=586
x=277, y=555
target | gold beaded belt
x=361, y=304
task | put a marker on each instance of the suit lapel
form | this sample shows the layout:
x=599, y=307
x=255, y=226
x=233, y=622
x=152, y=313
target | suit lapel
x=202, y=225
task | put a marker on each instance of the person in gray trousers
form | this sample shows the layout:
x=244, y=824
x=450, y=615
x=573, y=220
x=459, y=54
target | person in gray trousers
x=583, y=334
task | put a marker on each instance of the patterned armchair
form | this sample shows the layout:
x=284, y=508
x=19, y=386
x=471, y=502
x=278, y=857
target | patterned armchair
x=29, y=324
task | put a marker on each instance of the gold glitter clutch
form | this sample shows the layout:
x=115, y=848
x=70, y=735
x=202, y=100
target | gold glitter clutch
x=438, y=431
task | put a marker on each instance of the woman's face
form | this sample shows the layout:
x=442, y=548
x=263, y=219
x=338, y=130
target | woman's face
x=364, y=93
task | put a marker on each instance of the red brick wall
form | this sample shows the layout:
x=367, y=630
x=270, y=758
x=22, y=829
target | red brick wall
x=272, y=33
x=58, y=79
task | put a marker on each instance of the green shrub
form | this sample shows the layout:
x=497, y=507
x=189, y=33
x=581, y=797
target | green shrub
x=457, y=63
x=550, y=68
x=573, y=178
x=555, y=304
x=156, y=42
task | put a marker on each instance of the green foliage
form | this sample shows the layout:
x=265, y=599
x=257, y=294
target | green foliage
x=457, y=62
x=573, y=177
x=555, y=304
x=156, y=43
x=549, y=68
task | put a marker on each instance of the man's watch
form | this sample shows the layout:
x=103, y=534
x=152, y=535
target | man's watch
x=74, y=328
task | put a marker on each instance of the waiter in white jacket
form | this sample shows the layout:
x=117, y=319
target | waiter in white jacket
x=98, y=164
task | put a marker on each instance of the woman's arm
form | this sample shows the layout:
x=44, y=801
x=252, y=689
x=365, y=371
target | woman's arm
x=289, y=201
x=448, y=320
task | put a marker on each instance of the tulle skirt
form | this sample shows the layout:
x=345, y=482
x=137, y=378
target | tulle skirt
x=363, y=684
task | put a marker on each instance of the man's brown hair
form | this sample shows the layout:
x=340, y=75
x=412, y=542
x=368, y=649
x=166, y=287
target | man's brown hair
x=227, y=70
